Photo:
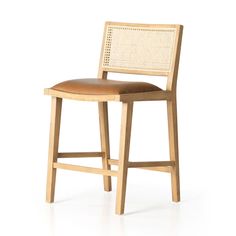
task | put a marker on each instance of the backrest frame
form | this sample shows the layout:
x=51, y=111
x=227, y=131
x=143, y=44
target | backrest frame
x=172, y=71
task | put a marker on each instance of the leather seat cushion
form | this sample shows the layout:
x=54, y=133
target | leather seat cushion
x=100, y=86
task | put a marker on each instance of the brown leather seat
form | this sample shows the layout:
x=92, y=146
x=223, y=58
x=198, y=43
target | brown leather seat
x=99, y=87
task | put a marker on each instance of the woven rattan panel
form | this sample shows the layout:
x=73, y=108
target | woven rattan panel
x=138, y=48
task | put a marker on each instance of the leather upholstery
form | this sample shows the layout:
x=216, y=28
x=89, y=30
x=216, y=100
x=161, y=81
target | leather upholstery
x=100, y=86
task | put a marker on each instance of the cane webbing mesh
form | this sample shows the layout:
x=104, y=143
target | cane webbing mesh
x=139, y=48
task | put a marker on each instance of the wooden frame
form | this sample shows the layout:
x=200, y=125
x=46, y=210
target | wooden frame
x=169, y=95
x=147, y=96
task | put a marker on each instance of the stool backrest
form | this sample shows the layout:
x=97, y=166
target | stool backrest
x=146, y=49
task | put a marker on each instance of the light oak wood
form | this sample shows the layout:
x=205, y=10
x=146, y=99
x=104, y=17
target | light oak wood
x=159, y=166
x=150, y=164
x=80, y=154
x=166, y=169
x=53, y=147
x=140, y=24
x=105, y=146
x=104, y=134
x=170, y=70
x=134, y=164
x=113, y=162
x=172, y=77
x=84, y=169
x=146, y=96
x=81, y=97
x=136, y=72
x=126, y=122
x=173, y=149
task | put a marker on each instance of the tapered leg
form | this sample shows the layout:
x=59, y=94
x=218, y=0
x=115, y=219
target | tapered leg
x=173, y=147
x=126, y=121
x=105, y=145
x=53, y=147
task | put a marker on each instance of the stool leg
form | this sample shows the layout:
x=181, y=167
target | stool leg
x=126, y=121
x=53, y=147
x=173, y=147
x=105, y=146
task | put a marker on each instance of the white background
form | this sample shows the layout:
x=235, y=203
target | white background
x=45, y=42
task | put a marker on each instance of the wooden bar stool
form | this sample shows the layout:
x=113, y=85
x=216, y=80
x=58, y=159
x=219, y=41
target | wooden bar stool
x=146, y=49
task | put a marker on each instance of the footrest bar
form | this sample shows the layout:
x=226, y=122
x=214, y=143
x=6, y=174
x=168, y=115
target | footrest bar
x=163, y=166
x=113, y=162
x=80, y=154
x=150, y=164
x=84, y=169
x=167, y=169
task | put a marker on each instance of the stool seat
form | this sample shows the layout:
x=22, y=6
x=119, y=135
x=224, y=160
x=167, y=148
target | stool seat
x=102, y=86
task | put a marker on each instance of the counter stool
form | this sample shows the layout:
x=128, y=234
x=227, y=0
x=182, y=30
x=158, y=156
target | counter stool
x=146, y=49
